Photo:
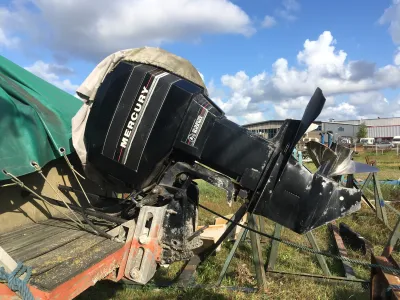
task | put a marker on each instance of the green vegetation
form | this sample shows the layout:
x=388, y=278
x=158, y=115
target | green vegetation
x=241, y=272
x=362, y=131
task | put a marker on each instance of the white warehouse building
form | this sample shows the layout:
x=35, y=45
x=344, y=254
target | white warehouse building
x=380, y=128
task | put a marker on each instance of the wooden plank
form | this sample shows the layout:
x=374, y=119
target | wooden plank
x=39, y=227
x=349, y=272
x=27, y=230
x=17, y=230
x=7, y=261
x=46, y=245
x=25, y=241
x=75, y=265
x=68, y=251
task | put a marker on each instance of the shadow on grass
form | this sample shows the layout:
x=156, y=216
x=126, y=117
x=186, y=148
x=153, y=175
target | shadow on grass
x=102, y=290
x=118, y=291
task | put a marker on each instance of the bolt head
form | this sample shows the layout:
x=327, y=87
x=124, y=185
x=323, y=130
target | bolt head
x=183, y=177
x=144, y=239
x=155, y=190
x=135, y=274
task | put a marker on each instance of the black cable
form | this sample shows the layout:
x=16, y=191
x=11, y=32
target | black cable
x=84, y=211
x=304, y=248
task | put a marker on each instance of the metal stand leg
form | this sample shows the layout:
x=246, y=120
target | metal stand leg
x=320, y=258
x=257, y=254
x=273, y=255
x=240, y=238
x=261, y=221
x=379, y=202
x=394, y=238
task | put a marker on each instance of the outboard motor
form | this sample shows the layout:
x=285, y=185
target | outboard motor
x=151, y=132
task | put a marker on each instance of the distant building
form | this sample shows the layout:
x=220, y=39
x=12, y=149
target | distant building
x=268, y=129
x=380, y=128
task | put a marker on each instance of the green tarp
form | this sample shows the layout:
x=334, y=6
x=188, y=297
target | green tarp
x=35, y=120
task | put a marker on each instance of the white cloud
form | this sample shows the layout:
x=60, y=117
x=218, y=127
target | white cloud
x=254, y=117
x=288, y=88
x=342, y=111
x=291, y=5
x=397, y=57
x=391, y=16
x=268, y=22
x=94, y=31
x=51, y=72
x=371, y=104
x=289, y=10
x=6, y=41
x=236, y=106
x=320, y=65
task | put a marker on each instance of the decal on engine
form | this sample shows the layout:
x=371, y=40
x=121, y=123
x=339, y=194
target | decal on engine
x=196, y=127
x=135, y=116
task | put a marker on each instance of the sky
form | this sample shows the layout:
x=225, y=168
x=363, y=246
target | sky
x=260, y=59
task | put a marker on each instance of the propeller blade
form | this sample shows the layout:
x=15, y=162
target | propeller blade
x=312, y=127
x=320, y=153
x=353, y=167
x=312, y=111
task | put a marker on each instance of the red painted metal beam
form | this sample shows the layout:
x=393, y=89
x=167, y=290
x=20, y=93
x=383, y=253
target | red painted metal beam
x=80, y=282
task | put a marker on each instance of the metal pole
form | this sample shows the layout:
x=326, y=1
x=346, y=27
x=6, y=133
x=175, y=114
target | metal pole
x=379, y=202
x=240, y=238
x=320, y=258
x=394, y=237
x=329, y=139
x=257, y=254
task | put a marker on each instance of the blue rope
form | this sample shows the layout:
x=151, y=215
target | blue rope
x=16, y=284
x=394, y=287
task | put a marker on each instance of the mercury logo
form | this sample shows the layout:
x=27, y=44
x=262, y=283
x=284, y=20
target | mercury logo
x=133, y=118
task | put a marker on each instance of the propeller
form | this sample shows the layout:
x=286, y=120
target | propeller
x=336, y=160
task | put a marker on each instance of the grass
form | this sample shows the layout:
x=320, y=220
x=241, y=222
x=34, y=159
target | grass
x=241, y=271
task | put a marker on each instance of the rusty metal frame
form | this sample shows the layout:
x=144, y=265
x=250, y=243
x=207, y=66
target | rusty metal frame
x=383, y=284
